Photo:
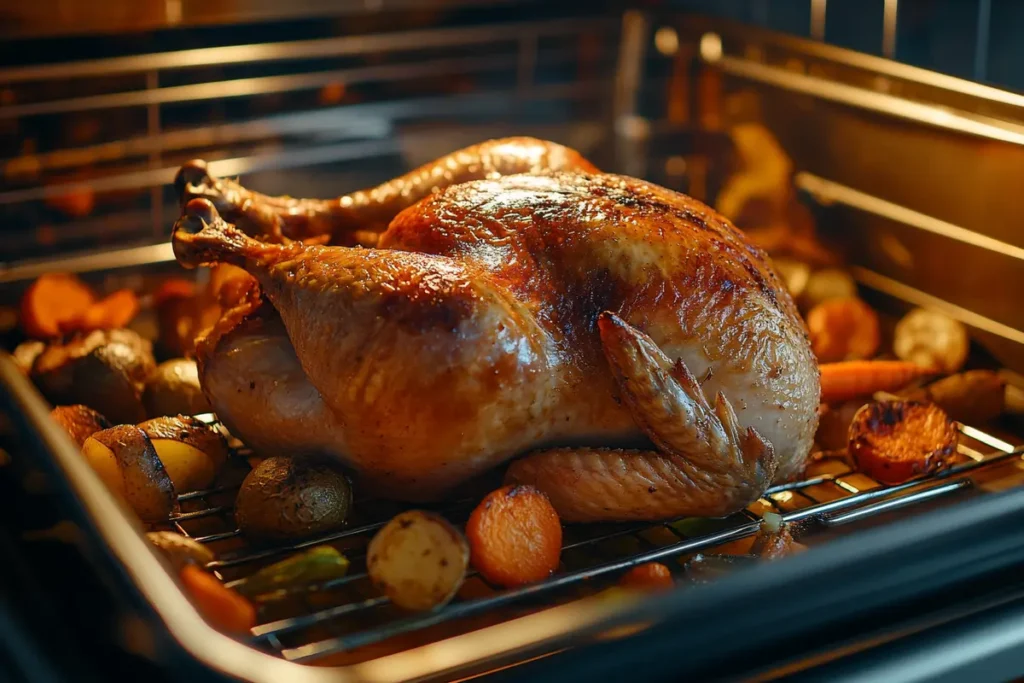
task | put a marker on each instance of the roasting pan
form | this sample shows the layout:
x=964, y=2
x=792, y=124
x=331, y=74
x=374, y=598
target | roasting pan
x=912, y=582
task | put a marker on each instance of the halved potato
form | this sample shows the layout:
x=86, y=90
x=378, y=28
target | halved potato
x=80, y=422
x=418, y=560
x=126, y=461
x=179, y=549
x=192, y=451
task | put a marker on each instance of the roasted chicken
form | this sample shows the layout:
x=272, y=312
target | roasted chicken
x=626, y=340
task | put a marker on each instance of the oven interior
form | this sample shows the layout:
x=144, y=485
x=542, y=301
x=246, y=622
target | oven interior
x=879, y=155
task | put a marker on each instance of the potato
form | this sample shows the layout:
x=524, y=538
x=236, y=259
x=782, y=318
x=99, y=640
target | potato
x=179, y=549
x=104, y=370
x=285, y=499
x=126, y=461
x=192, y=451
x=173, y=389
x=80, y=422
x=418, y=560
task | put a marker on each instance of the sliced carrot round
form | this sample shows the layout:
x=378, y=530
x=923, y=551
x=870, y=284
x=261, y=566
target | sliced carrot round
x=515, y=536
x=894, y=441
x=52, y=300
x=649, y=576
x=112, y=312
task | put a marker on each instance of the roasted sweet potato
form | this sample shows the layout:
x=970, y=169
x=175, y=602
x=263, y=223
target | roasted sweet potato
x=112, y=312
x=80, y=422
x=650, y=576
x=843, y=329
x=515, y=536
x=222, y=607
x=53, y=299
x=894, y=441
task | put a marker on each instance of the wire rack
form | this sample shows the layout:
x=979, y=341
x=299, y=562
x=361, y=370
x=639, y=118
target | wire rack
x=345, y=620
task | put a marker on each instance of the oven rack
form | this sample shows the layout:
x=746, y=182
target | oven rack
x=834, y=495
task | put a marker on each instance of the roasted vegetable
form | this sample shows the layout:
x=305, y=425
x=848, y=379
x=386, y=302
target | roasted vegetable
x=173, y=389
x=834, y=425
x=972, y=397
x=80, y=422
x=774, y=539
x=843, y=329
x=825, y=284
x=894, y=441
x=932, y=339
x=515, y=536
x=859, y=378
x=192, y=451
x=225, y=609
x=124, y=458
x=112, y=312
x=53, y=299
x=650, y=576
x=418, y=560
x=287, y=499
x=179, y=549
x=104, y=370
x=26, y=353
x=316, y=565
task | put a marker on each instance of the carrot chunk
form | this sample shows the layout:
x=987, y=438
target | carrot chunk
x=112, y=312
x=51, y=300
x=652, y=576
x=225, y=609
x=852, y=379
x=515, y=536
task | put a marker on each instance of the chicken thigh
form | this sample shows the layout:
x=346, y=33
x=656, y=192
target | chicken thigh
x=626, y=338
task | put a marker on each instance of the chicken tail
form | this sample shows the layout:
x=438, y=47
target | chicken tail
x=201, y=237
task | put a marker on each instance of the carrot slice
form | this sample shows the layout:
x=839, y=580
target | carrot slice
x=52, y=300
x=515, y=536
x=894, y=441
x=225, y=609
x=852, y=379
x=114, y=311
x=653, y=576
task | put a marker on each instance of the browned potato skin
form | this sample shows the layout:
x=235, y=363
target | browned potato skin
x=104, y=370
x=80, y=422
x=148, y=488
x=180, y=550
x=189, y=430
x=895, y=441
x=173, y=389
x=26, y=353
x=972, y=397
x=284, y=498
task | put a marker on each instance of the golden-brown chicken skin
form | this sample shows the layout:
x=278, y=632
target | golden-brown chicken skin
x=547, y=315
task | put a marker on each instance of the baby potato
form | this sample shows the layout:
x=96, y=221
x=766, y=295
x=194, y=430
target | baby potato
x=418, y=560
x=286, y=499
x=80, y=422
x=179, y=549
x=173, y=389
x=932, y=340
x=192, y=451
x=124, y=458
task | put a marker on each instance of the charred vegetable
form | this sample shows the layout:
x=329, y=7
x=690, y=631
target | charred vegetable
x=124, y=458
x=861, y=378
x=316, y=565
x=180, y=550
x=418, y=560
x=515, y=536
x=894, y=441
x=972, y=397
x=286, y=499
x=80, y=422
x=173, y=389
x=192, y=451
x=932, y=339
x=104, y=370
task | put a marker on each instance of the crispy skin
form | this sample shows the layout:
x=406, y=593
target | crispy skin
x=471, y=336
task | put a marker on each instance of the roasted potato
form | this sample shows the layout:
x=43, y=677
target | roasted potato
x=285, y=499
x=418, y=560
x=80, y=422
x=894, y=441
x=972, y=397
x=173, y=389
x=25, y=354
x=179, y=549
x=126, y=461
x=192, y=451
x=932, y=340
x=104, y=370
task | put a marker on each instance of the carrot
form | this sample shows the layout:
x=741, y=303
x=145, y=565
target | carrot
x=222, y=607
x=894, y=441
x=515, y=536
x=51, y=300
x=114, y=311
x=852, y=379
x=652, y=576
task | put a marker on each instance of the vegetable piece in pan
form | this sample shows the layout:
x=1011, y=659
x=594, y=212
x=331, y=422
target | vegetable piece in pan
x=225, y=609
x=861, y=378
x=932, y=339
x=192, y=451
x=843, y=329
x=316, y=565
x=894, y=441
x=650, y=576
x=124, y=458
x=180, y=550
x=972, y=397
x=80, y=422
x=173, y=389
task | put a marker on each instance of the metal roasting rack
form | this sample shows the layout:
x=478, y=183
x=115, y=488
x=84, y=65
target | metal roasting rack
x=830, y=499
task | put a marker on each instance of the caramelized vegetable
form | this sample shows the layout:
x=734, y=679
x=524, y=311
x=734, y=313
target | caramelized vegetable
x=843, y=329
x=418, y=560
x=515, y=536
x=192, y=451
x=894, y=441
x=972, y=397
x=932, y=339
x=114, y=311
x=180, y=550
x=80, y=422
x=173, y=389
x=316, y=565
x=225, y=609
x=26, y=353
x=124, y=458
x=856, y=378
x=774, y=539
x=652, y=576
x=825, y=284
x=53, y=299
